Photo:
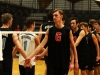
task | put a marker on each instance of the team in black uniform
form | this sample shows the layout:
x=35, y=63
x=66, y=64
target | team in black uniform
x=81, y=45
x=58, y=41
x=93, y=47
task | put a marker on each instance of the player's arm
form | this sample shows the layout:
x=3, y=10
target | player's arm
x=80, y=37
x=71, y=56
x=37, y=41
x=14, y=51
x=40, y=34
x=44, y=52
x=18, y=45
x=41, y=45
x=39, y=56
x=73, y=47
x=98, y=37
x=96, y=44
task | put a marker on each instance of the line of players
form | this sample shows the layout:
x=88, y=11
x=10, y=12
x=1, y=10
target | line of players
x=83, y=51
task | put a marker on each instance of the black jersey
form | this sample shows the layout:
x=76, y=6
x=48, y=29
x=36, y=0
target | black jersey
x=46, y=26
x=82, y=48
x=95, y=33
x=82, y=51
x=7, y=44
x=90, y=43
x=58, y=47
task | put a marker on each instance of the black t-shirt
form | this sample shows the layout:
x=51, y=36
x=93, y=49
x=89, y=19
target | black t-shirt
x=46, y=26
x=82, y=47
x=95, y=33
x=91, y=45
x=58, y=47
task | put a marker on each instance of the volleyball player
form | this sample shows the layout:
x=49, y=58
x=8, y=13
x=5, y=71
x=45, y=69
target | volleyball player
x=1, y=58
x=59, y=39
x=93, y=47
x=81, y=46
x=8, y=41
x=96, y=26
x=29, y=41
x=44, y=27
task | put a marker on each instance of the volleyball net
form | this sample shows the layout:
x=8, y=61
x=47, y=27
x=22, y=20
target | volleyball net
x=12, y=32
x=18, y=32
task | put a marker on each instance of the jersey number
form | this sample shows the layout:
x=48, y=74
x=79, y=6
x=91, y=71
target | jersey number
x=3, y=43
x=58, y=36
x=25, y=45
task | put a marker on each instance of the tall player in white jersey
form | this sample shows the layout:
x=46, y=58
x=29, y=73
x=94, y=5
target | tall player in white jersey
x=29, y=41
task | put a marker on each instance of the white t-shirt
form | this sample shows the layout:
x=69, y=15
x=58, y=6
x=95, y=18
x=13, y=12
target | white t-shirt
x=28, y=43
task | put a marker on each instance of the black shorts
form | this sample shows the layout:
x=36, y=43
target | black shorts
x=91, y=63
x=0, y=67
x=7, y=67
x=46, y=59
x=97, y=63
x=27, y=70
x=83, y=62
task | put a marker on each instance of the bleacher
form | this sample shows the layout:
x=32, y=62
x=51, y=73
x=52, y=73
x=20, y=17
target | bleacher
x=28, y=8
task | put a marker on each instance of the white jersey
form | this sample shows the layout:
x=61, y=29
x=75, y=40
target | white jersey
x=28, y=43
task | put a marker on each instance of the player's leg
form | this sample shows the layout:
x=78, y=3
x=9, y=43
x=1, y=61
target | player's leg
x=30, y=71
x=21, y=70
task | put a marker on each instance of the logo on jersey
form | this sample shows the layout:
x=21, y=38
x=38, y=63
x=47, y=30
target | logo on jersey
x=58, y=36
x=5, y=34
x=48, y=26
x=28, y=37
x=75, y=38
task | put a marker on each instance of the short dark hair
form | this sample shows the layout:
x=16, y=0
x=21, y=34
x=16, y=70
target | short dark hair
x=50, y=15
x=83, y=23
x=90, y=26
x=99, y=22
x=6, y=17
x=28, y=22
x=74, y=18
x=91, y=21
x=96, y=21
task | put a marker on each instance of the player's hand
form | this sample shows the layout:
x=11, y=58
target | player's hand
x=30, y=65
x=37, y=57
x=97, y=58
x=71, y=67
x=27, y=62
x=76, y=66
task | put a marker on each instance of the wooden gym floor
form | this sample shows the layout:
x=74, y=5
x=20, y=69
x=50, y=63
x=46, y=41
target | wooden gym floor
x=40, y=67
